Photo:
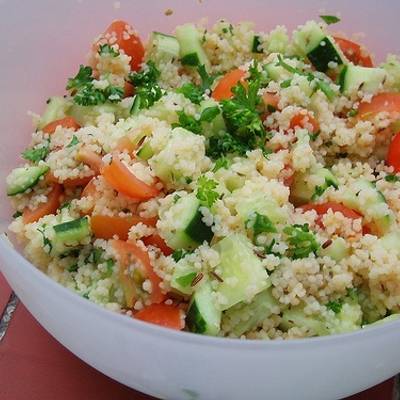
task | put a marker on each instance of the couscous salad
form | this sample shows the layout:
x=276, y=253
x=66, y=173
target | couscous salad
x=223, y=181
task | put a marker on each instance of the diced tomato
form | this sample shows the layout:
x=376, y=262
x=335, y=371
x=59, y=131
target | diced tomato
x=106, y=226
x=90, y=158
x=393, y=156
x=305, y=121
x=158, y=241
x=354, y=52
x=122, y=34
x=67, y=122
x=129, y=252
x=323, y=208
x=124, y=181
x=223, y=90
x=271, y=99
x=129, y=89
x=75, y=182
x=125, y=144
x=89, y=189
x=50, y=207
x=388, y=102
x=168, y=316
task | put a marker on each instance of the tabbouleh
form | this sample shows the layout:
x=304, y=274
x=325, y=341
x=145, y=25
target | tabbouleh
x=223, y=181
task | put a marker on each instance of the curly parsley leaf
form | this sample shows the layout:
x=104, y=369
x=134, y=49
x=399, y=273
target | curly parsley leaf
x=301, y=241
x=221, y=162
x=89, y=96
x=392, y=178
x=114, y=94
x=330, y=19
x=188, y=122
x=206, y=79
x=335, y=306
x=205, y=191
x=191, y=92
x=74, y=141
x=82, y=78
x=107, y=50
x=225, y=143
x=148, y=75
x=36, y=154
x=209, y=113
x=260, y=223
x=47, y=245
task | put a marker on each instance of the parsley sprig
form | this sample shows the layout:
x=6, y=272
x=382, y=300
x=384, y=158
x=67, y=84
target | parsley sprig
x=205, y=191
x=37, y=153
x=301, y=241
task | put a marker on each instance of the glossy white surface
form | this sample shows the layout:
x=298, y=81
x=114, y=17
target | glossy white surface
x=42, y=44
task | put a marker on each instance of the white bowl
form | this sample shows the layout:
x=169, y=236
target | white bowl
x=42, y=42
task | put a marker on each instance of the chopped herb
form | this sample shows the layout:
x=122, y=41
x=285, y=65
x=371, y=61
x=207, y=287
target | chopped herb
x=314, y=136
x=188, y=180
x=260, y=223
x=330, y=19
x=145, y=97
x=188, y=122
x=266, y=152
x=17, y=214
x=205, y=191
x=319, y=191
x=268, y=249
x=271, y=108
x=191, y=92
x=89, y=96
x=176, y=198
x=285, y=84
x=335, y=306
x=95, y=256
x=86, y=295
x=73, y=268
x=110, y=265
x=107, y=50
x=82, y=78
x=47, y=245
x=352, y=293
x=114, y=94
x=392, y=178
x=36, y=154
x=209, y=113
x=352, y=113
x=148, y=75
x=179, y=254
x=186, y=280
x=206, y=79
x=325, y=88
x=66, y=205
x=221, y=162
x=225, y=30
x=225, y=143
x=74, y=141
x=301, y=241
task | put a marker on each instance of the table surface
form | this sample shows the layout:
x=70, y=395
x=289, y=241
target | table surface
x=49, y=371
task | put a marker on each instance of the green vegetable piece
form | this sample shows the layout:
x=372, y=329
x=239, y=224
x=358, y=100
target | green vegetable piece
x=106, y=49
x=330, y=19
x=205, y=191
x=301, y=241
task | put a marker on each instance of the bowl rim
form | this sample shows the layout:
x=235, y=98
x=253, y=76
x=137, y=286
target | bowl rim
x=73, y=298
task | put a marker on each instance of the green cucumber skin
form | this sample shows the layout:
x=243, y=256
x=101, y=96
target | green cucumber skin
x=194, y=320
x=71, y=225
x=256, y=44
x=191, y=59
x=31, y=182
x=197, y=230
x=321, y=56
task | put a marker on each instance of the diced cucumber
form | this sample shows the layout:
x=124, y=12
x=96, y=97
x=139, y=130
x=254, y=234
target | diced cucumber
x=337, y=250
x=145, y=152
x=304, y=187
x=326, y=55
x=244, y=317
x=183, y=276
x=217, y=125
x=162, y=47
x=187, y=229
x=295, y=317
x=349, y=319
x=203, y=316
x=56, y=108
x=320, y=48
x=87, y=115
x=255, y=48
x=234, y=182
x=23, y=178
x=70, y=234
x=364, y=197
x=242, y=272
x=391, y=241
x=191, y=52
x=354, y=78
x=276, y=72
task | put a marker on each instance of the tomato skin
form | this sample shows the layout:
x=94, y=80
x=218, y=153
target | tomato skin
x=271, y=99
x=90, y=158
x=303, y=121
x=158, y=241
x=223, y=90
x=323, y=208
x=354, y=52
x=388, y=102
x=122, y=34
x=50, y=207
x=393, y=156
x=105, y=226
x=168, y=316
x=67, y=122
x=124, y=181
x=126, y=252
